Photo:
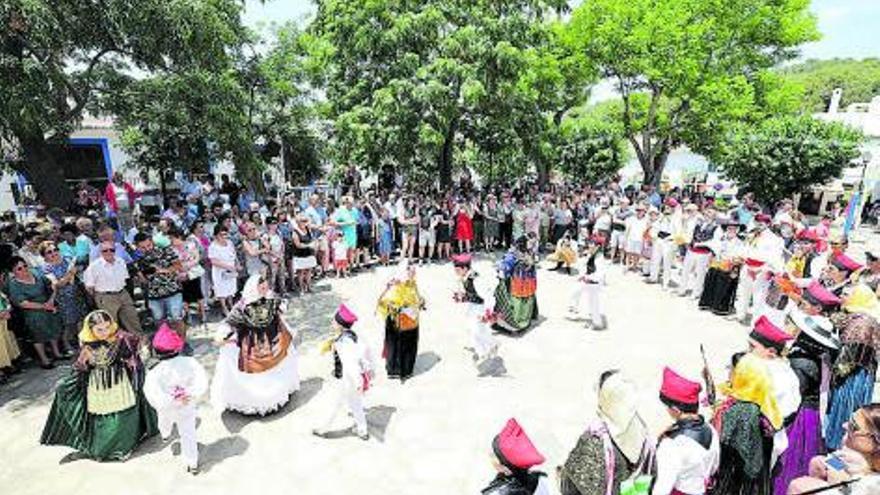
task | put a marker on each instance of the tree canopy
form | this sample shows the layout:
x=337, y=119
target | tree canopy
x=859, y=80
x=426, y=87
x=420, y=84
x=785, y=155
x=57, y=56
x=687, y=69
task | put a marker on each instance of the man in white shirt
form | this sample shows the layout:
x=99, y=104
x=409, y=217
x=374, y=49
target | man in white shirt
x=763, y=256
x=105, y=280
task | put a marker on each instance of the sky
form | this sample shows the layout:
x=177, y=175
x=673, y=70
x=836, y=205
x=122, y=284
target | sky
x=850, y=28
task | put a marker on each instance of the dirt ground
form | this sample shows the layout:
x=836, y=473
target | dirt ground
x=429, y=435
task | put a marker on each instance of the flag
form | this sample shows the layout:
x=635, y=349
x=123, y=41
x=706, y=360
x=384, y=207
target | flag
x=851, y=210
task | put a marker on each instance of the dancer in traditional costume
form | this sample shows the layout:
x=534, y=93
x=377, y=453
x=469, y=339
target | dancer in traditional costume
x=565, y=255
x=615, y=446
x=769, y=342
x=353, y=370
x=513, y=457
x=586, y=298
x=699, y=253
x=817, y=300
x=688, y=452
x=479, y=316
x=810, y=358
x=399, y=306
x=173, y=387
x=719, y=288
x=763, y=256
x=662, y=248
x=257, y=368
x=746, y=422
x=100, y=409
x=839, y=273
x=855, y=369
x=515, y=303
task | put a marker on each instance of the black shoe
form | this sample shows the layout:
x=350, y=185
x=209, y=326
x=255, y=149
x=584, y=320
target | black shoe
x=47, y=366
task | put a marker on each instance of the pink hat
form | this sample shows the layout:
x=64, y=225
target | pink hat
x=462, y=260
x=345, y=316
x=680, y=392
x=817, y=295
x=514, y=448
x=167, y=341
x=769, y=335
x=845, y=263
x=763, y=218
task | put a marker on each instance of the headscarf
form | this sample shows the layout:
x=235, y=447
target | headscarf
x=618, y=408
x=862, y=300
x=403, y=293
x=750, y=382
x=87, y=335
x=251, y=291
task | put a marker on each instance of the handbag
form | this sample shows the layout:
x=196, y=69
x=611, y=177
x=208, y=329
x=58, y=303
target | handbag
x=195, y=272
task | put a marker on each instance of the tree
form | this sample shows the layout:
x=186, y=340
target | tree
x=859, y=80
x=783, y=156
x=284, y=111
x=187, y=120
x=686, y=69
x=592, y=144
x=56, y=56
x=413, y=84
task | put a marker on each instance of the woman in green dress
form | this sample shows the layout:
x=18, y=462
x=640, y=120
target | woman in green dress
x=516, y=306
x=32, y=294
x=100, y=409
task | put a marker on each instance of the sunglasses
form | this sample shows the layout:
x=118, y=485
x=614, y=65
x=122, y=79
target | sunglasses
x=51, y=251
x=108, y=250
x=20, y=267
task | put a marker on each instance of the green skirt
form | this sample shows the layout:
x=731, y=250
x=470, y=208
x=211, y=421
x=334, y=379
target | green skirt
x=101, y=437
x=515, y=314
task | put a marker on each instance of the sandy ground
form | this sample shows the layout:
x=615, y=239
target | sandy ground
x=430, y=435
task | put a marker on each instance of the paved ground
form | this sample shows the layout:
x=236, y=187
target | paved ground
x=431, y=435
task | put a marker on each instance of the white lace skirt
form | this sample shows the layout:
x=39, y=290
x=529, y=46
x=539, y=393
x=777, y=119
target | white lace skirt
x=253, y=393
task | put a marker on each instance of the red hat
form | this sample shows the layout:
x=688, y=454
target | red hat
x=763, y=218
x=167, y=341
x=769, y=335
x=817, y=295
x=809, y=235
x=462, y=260
x=345, y=316
x=845, y=263
x=671, y=202
x=679, y=392
x=514, y=448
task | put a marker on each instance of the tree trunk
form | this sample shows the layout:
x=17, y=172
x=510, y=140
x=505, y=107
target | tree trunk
x=654, y=168
x=43, y=172
x=445, y=165
x=543, y=173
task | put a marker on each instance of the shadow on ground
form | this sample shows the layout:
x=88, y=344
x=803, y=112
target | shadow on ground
x=309, y=316
x=235, y=422
x=425, y=362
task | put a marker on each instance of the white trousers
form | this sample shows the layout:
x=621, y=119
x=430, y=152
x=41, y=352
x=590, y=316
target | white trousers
x=349, y=398
x=662, y=256
x=751, y=293
x=586, y=299
x=185, y=419
x=693, y=275
x=481, y=334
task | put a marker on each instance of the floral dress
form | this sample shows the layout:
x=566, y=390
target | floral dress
x=69, y=298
